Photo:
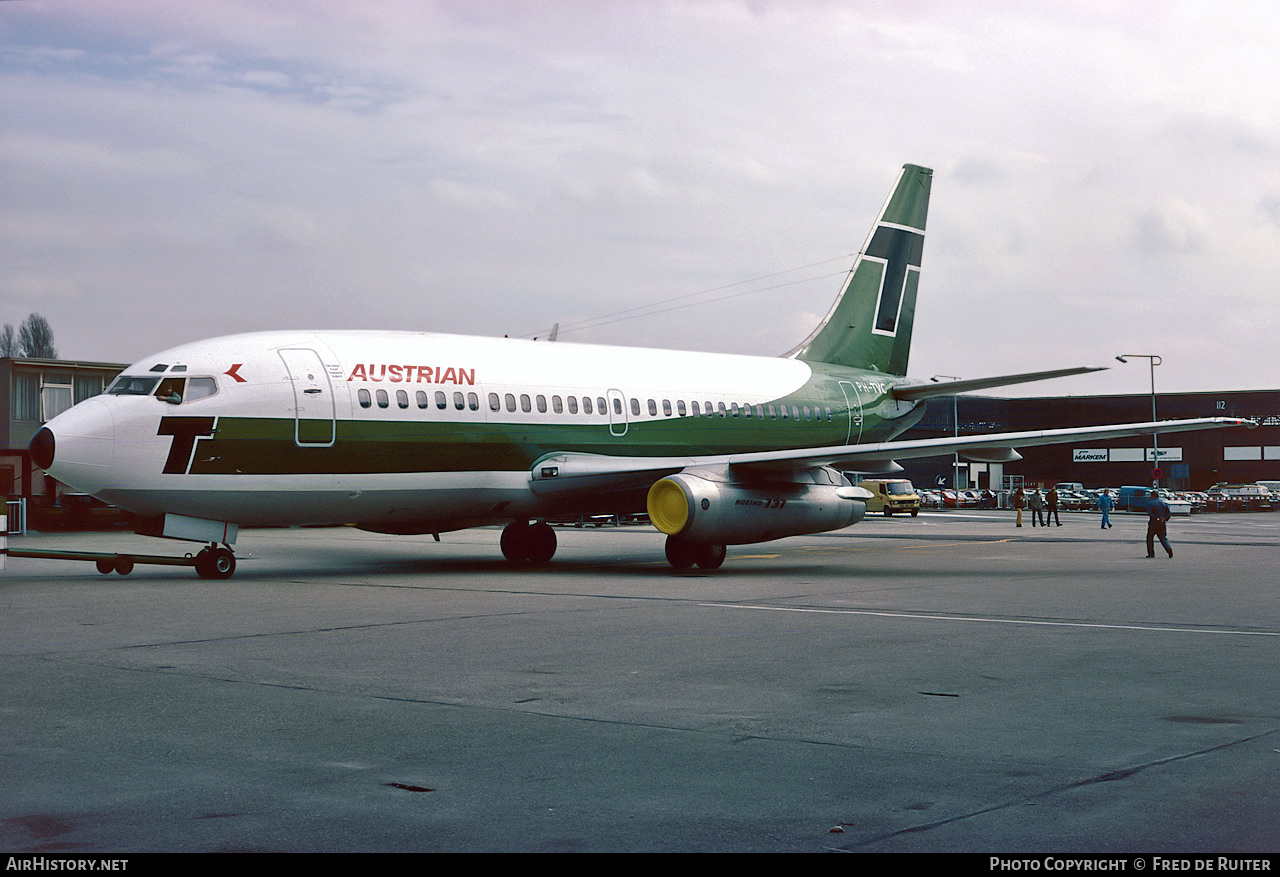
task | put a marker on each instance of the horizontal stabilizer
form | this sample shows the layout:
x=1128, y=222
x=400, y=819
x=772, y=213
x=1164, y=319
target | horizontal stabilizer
x=917, y=392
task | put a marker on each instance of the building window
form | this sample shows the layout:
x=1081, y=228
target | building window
x=54, y=399
x=87, y=387
x=26, y=398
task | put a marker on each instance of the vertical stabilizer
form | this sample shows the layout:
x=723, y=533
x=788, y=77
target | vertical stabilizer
x=870, y=324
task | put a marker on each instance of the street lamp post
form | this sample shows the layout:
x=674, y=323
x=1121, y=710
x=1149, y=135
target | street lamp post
x=955, y=425
x=1155, y=435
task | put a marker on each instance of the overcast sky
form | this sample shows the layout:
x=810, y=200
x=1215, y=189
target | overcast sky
x=1107, y=175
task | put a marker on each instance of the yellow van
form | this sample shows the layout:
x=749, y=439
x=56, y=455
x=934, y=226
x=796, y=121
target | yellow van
x=891, y=495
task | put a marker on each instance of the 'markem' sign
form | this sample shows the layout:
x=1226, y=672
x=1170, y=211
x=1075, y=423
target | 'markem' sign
x=1123, y=455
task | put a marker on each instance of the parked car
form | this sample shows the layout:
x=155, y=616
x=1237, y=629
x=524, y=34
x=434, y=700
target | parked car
x=1241, y=497
x=930, y=499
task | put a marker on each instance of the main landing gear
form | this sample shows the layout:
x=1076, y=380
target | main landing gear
x=684, y=553
x=528, y=542
x=534, y=542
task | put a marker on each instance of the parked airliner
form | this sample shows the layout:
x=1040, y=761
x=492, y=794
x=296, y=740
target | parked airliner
x=417, y=433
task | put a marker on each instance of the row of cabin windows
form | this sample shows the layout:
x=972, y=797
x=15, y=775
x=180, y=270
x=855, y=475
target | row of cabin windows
x=589, y=405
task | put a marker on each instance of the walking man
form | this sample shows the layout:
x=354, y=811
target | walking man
x=1106, y=504
x=1157, y=515
x=1019, y=503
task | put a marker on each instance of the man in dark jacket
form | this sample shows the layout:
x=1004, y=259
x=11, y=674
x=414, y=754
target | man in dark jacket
x=1157, y=515
x=1053, y=508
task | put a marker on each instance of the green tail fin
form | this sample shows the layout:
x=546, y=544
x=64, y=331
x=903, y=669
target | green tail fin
x=870, y=324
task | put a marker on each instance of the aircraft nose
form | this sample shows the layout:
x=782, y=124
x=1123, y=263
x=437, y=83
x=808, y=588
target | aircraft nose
x=77, y=446
x=42, y=447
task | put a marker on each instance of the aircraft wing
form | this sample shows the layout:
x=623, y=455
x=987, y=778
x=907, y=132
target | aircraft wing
x=570, y=471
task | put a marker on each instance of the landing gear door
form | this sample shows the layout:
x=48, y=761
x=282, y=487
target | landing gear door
x=315, y=416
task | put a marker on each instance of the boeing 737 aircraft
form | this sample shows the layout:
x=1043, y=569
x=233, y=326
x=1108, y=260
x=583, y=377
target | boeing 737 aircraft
x=416, y=433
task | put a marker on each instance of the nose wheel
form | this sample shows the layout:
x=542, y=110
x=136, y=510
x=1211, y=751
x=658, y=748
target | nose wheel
x=215, y=562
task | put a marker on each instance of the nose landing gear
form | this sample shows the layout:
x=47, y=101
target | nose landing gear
x=215, y=562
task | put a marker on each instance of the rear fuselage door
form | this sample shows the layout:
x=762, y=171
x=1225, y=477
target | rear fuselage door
x=853, y=404
x=315, y=416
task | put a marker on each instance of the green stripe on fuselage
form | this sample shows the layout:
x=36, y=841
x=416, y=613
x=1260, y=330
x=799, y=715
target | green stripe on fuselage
x=401, y=444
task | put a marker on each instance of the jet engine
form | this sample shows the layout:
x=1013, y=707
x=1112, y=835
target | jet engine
x=700, y=509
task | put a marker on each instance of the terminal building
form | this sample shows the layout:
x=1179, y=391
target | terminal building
x=1188, y=460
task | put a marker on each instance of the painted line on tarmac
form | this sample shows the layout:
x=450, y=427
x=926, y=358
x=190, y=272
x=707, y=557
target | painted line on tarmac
x=979, y=620
x=849, y=549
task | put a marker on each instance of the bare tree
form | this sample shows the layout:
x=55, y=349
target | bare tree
x=8, y=342
x=35, y=338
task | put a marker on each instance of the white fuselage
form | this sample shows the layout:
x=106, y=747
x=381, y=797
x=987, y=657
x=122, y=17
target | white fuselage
x=428, y=431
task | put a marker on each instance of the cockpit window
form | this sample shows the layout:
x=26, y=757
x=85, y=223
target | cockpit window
x=132, y=385
x=199, y=388
x=170, y=390
x=173, y=390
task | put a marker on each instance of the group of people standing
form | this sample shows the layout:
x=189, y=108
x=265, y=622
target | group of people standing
x=1043, y=508
x=1158, y=514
